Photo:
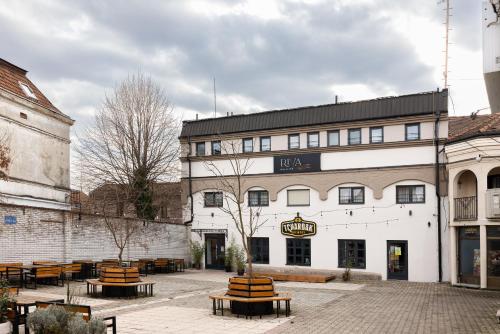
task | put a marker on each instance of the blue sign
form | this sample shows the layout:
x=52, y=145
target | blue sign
x=10, y=220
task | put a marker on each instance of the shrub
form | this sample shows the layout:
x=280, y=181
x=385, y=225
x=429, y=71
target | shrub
x=5, y=299
x=197, y=251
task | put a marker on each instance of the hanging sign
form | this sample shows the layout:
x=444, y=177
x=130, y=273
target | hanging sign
x=10, y=220
x=298, y=227
x=300, y=163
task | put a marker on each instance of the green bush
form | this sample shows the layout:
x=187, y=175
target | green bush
x=197, y=251
x=5, y=299
x=56, y=320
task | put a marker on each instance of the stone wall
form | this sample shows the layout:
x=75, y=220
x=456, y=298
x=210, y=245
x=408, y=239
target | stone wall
x=41, y=234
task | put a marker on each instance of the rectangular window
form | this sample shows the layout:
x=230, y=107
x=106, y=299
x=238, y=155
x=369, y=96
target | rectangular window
x=260, y=250
x=265, y=144
x=258, y=198
x=313, y=139
x=333, y=138
x=377, y=135
x=213, y=199
x=354, y=137
x=247, y=145
x=410, y=194
x=293, y=141
x=200, y=149
x=412, y=131
x=216, y=147
x=351, y=195
x=298, y=197
x=352, y=253
x=298, y=252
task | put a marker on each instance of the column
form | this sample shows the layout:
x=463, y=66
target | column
x=484, y=256
x=453, y=255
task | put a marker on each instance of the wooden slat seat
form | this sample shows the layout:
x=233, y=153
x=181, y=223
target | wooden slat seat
x=12, y=272
x=53, y=273
x=310, y=278
x=145, y=286
x=218, y=301
x=37, y=263
x=72, y=269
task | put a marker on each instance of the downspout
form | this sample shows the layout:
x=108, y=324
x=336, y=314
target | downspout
x=438, y=187
x=190, y=221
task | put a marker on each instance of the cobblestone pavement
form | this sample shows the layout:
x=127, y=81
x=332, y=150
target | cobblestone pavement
x=181, y=305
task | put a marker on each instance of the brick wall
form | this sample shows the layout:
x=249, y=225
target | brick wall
x=63, y=236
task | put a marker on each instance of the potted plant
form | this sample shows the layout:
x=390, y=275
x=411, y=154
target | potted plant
x=229, y=256
x=240, y=261
x=5, y=300
x=346, y=275
x=197, y=251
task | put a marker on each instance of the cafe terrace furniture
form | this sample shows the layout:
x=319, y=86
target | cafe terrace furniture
x=120, y=282
x=45, y=273
x=20, y=309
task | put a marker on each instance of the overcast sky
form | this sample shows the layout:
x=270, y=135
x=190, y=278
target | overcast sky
x=264, y=54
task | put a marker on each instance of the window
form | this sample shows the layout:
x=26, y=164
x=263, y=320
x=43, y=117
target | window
x=27, y=90
x=410, y=194
x=351, y=195
x=298, y=252
x=353, y=253
x=247, y=145
x=298, y=197
x=412, y=131
x=265, y=144
x=293, y=141
x=377, y=135
x=260, y=250
x=258, y=198
x=354, y=137
x=333, y=138
x=200, y=149
x=216, y=149
x=213, y=199
x=313, y=139
x=23, y=115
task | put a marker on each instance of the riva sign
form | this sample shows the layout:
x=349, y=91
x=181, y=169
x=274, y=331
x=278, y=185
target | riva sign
x=298, y=227
x=299, y=163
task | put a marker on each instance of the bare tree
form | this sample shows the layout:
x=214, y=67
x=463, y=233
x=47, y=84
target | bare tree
x=133, y=141
x=5, y=155
x=231, y=181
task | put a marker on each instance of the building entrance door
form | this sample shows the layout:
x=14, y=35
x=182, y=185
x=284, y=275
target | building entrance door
x=215, y=245
x=397, y=259
x=493, y=233
x=469, y=260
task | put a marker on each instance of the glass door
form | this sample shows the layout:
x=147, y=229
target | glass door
x=469, y=261
x=493, y=233
x=214, y=251
x=397, y=259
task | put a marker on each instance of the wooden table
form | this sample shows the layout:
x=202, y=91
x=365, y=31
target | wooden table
x=23, y=304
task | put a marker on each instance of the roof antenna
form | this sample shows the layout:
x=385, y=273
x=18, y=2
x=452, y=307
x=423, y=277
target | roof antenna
x=474, y=114
x=215, y=101
x=336, y=99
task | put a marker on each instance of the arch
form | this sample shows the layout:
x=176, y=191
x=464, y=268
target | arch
x=493, y=177
x=465, y=184
x=274, y=196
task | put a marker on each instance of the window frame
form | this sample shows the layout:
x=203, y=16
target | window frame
x=349, y=131
x=309, y=134
x=328, y=137
x=398, y=201
x=289, y=142
x=214, y=193
x=371, y=137
x=356, y=249
x=351, y=200
x=259, y=198
x=204, y=149
x=264, y=245
x=419, y=131
x=243, y=145
x=27, y=90
x=297, y=205
x=306, y=244
x=212, y=147
x=265, y=137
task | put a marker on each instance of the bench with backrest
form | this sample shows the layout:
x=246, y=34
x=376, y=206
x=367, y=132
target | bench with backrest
x=72, y=269
x=162, y=265
x=84, y=310
x=43, y=273
x=12, y=272
x=42, y=263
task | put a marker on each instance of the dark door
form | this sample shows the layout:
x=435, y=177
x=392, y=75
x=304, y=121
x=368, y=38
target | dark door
x=469, y=263
x=397, y=259
x=215, y=245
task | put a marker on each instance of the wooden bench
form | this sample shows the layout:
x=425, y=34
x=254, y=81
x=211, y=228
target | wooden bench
x=73, y=269
x=143, y=287
x=310, y=278
x=12, y=272
x=164, y=265
x=179, y=264
x=218, y=302
x=84, y=310
x=42, y=263
x=43, y=273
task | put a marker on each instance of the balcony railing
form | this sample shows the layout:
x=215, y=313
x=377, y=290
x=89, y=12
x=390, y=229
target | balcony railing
x=466, y=208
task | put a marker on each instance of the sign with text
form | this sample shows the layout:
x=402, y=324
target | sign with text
x=10, y=220
x=300, y=163
x=298, y=227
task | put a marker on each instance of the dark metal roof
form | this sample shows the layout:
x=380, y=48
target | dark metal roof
x=387, y=107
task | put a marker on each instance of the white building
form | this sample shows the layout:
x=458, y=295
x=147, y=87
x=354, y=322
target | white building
x=39, y=141
x=362, y=173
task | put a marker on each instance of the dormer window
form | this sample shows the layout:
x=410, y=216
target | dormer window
x=27, y=90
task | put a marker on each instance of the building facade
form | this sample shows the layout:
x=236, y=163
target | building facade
x=334, y=185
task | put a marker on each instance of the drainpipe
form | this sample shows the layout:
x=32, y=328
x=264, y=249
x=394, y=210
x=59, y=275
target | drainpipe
x=190, y=221
x=438, y=187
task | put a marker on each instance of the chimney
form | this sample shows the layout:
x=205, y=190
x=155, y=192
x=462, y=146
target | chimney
x=491, y=52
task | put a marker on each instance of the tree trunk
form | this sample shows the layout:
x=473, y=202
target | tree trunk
x=249, y=264
x=120, y=254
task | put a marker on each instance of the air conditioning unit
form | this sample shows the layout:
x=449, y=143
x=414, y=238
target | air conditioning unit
x=493, y=203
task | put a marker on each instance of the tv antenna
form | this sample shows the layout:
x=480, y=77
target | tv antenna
x=215, y=101
x=447, y=40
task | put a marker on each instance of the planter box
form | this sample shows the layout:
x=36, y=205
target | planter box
x=251, y=288
x=119, y=275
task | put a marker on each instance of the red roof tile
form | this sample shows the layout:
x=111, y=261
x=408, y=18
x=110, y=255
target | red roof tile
x=10, y=78
x=463, y=127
